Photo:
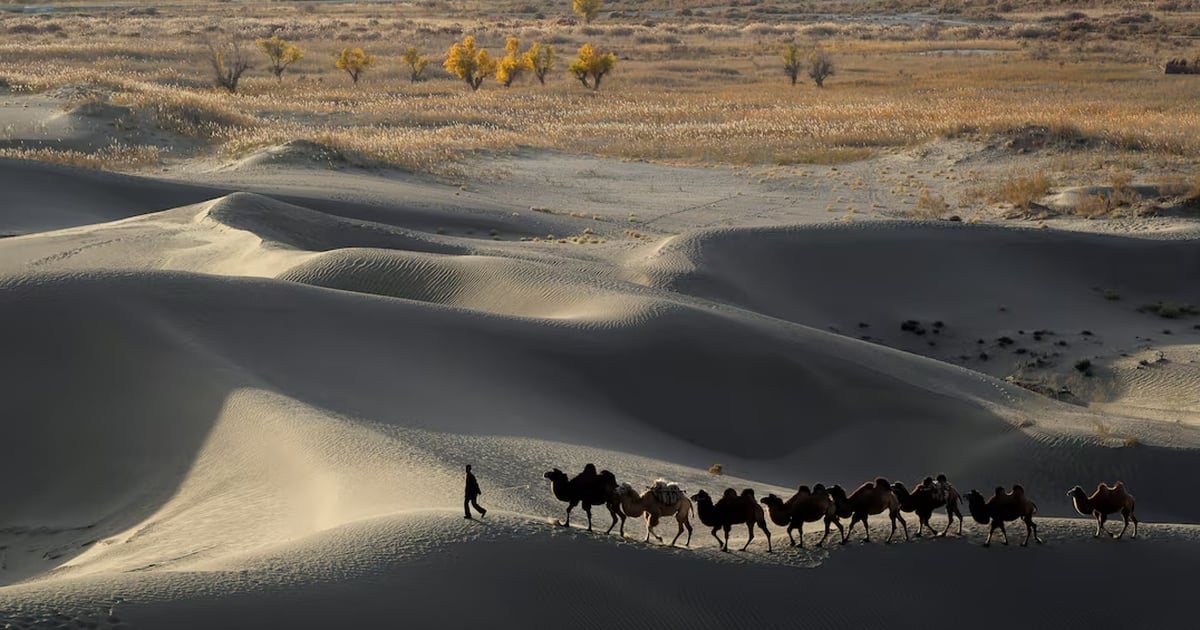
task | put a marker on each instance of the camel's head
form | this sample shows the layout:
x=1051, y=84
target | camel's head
x=882, y=483
x=701, y=497
x=898, y=487
x=1077, y=493
x=555, y=474
x=771, y=501
x=978, y=507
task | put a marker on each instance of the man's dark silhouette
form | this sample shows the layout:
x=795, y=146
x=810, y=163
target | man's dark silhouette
x=470, y=494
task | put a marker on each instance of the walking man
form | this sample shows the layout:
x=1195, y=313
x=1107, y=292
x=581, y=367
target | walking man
x=470, y=495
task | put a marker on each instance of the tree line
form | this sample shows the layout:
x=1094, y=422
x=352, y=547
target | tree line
x=473, y=64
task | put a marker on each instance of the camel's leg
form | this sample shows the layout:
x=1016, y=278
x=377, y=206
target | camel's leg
x=688, y=523
x=1033, y=526
x=762, y=524
x=679, y=521
x=850, y=530
x=570, y=506
x=1133, y=518
x=726, y=529
x=904, y=524
x=615, y=514
x=992, y=530
x=841, y=531
x=1125, y=517
x=750, y=529
x=720, y=543
x=587, y=509
x=1003, y=531
x=792, y=538
x=801, y=534
x=867, y=528
x=1028, y=531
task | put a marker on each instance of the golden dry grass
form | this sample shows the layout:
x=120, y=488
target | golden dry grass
x=686, y=90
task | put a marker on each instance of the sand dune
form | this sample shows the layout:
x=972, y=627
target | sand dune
x=252, y=409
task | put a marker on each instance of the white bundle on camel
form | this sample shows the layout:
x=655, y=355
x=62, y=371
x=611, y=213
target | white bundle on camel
x=667, y=492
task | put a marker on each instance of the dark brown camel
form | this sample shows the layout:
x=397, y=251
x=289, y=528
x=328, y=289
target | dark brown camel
x=924, y=500
x=1104, y=501
x=732, y=509
x=588, y=488
x=873, y=497
x=806, y=506
x=1001, y=508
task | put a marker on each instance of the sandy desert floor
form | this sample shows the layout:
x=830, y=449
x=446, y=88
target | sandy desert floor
x=240, y=394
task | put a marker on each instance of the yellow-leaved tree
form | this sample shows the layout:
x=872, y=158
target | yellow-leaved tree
x=540, y=59
x=354, y=61
x=793, y=60
x=469, y=62
x=820, y=66
x=415, y=62
x=512, y=64
x=587, y=9
x=281, y=53
x=592, y=65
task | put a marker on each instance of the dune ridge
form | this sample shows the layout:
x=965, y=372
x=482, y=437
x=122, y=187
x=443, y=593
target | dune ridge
x=270, y=405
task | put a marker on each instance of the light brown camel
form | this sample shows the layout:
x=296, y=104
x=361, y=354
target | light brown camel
x=873, y=497
x=1002, y=507
x=1104, y=501
x=589, y=488
x=806, y=506
x=661, y=499
x=731, y=510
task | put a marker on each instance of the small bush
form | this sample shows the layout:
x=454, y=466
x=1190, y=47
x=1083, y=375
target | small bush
x=716, y=469
x=1084, y=366
x=1022, y=190
x=1168, y=310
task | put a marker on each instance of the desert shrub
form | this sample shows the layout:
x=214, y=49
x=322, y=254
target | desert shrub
x=1084, y=366
x=1169, y=310
x=592, y=66
x=228, y=63
x=469, y=62
x=540, y=58
x=354, y=61
x=716, y=469
x=931, y=205
x=512, y=64
x=416, y=63
x=820, y=66
x=587, y=9
x=1023, y=189
x=281, y=53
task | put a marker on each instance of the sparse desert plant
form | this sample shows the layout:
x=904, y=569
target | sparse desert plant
x=930, y=205
x=415, y=62
x=716, y=469
x=228, y=63
x=469, y=62
x=1092, y=206
x=540, y=59
x=1023, y=189
x=281, y=53
x=792, y=62
x=354, y=61
x=587, y=9
x=512, y=64
x=1084, y=366
x=591, y=65
x=820, y=66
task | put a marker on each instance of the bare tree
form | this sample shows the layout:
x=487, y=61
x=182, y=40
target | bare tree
x=229, y=62
x=820, y=66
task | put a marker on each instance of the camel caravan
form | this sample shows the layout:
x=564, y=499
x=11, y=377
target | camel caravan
x=826, y=505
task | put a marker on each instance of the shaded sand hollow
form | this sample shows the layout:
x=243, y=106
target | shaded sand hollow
x=244, y=400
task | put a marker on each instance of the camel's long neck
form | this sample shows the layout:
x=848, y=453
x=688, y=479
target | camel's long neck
x=632, y=505
x=561, y=489
x=707, y=512
x=979, y=511
x=1083, y=505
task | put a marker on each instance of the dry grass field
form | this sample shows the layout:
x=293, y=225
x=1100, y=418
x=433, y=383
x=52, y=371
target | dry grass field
x=699, y=85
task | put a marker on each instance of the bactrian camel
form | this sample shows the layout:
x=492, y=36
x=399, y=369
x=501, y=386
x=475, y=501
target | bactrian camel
x=1003, y=507
x=661, y=499
x=1104, y=501
x=732, y=509
x=806, y=506
x=588, y=488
